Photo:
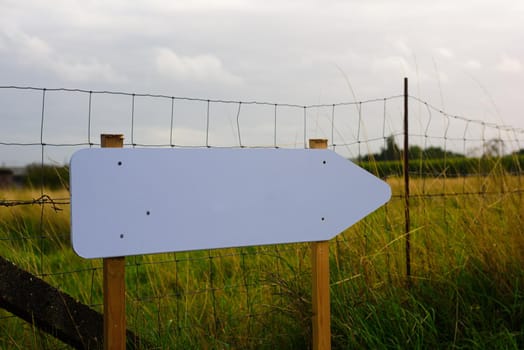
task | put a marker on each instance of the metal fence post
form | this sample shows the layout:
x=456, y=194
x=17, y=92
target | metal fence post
x=406, y=183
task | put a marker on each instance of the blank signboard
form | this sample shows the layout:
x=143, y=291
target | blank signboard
x=142, y=201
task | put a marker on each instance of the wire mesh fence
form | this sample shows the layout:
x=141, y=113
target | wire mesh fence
x=464, y=174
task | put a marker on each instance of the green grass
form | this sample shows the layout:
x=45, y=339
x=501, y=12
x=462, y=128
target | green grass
x=467, y=285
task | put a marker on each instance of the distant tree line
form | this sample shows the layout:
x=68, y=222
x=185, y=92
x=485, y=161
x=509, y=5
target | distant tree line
x=435, y=161
x=392, y=151
x=49, y=176
x=36, y=176
x=431, y=161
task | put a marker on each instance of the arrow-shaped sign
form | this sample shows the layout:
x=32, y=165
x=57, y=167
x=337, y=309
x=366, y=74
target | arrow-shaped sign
x=144, y=201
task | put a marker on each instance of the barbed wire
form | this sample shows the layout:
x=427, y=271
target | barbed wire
x=44, y=199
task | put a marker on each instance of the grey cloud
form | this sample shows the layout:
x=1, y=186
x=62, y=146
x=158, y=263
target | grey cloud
x=35, y=53
x=299, y=52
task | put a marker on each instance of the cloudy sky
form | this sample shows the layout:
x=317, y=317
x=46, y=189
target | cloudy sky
x=466, y=57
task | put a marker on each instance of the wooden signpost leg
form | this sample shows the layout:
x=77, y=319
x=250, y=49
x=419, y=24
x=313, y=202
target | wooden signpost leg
x=114, y=283
x=320, y=283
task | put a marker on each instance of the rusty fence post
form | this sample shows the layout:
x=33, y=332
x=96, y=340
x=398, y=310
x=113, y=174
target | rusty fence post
x=407, y=220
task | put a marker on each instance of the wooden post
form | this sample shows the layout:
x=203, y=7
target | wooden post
x=320, y=283
x=114, y=283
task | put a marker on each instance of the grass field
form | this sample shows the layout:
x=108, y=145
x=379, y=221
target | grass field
x=467, y=285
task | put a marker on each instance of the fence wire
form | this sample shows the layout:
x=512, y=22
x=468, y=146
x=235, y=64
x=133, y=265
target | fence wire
x=463, y=172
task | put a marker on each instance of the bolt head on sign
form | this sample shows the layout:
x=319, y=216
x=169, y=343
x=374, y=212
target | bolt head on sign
x=144, y=201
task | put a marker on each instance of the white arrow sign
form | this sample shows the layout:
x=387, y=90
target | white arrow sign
x=143, y=201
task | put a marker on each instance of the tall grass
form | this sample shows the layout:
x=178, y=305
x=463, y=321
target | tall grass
x=467, y=287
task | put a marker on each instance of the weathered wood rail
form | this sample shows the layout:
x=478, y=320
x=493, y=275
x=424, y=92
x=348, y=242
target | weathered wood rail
x=55, y=312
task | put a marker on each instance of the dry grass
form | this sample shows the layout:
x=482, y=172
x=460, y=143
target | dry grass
x=467, y=258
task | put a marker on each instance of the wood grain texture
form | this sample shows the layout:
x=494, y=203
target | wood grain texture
x=114, y=282
x=320, y=283
x=320, y=295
